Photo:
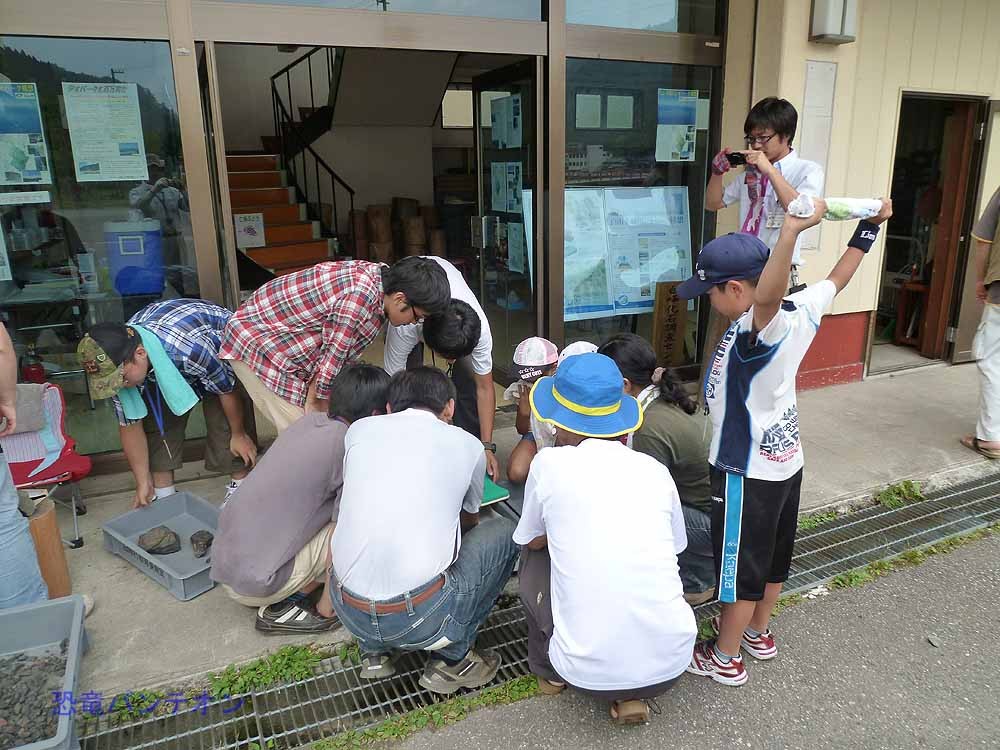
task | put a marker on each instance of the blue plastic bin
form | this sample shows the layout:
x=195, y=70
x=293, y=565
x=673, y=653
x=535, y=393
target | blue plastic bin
x=135, y=256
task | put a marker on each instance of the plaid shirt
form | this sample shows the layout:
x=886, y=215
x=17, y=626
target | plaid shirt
x=306, y=324
x=191, y=333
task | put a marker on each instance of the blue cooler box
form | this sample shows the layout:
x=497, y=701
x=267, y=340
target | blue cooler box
x=135, y=256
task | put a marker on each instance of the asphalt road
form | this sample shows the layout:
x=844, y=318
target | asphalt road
x=855, y=670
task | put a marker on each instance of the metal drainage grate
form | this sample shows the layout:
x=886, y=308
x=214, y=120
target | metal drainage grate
x=336, y=700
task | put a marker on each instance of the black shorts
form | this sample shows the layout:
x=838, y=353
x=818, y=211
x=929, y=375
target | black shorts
x=753, y=532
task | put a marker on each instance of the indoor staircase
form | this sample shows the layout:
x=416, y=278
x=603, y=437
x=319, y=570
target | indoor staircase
x=257, y=184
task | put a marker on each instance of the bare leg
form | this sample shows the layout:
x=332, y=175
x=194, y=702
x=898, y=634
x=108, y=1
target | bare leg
x=324, y=607
x=163, y=479
x=765, y=607
x=520, y=461
x=735, y=618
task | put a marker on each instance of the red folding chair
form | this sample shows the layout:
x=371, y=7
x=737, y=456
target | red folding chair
x=47, y=458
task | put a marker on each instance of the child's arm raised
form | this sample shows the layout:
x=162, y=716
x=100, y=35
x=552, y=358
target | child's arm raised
x=858, y=247
x=773, y=283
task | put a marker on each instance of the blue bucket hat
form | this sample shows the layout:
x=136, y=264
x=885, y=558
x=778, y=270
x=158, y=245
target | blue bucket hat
x=586, y=396
x=732, y=257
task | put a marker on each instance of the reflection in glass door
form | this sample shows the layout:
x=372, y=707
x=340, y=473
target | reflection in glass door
x=506, y=148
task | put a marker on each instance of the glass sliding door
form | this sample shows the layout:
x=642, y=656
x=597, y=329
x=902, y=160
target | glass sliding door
x=94, y=213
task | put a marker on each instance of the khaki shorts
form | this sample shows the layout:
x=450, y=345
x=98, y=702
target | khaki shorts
x=310, y=565
x=281, y=413
x=166, y=451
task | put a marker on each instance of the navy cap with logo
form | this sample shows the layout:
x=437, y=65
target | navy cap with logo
x=732, y=257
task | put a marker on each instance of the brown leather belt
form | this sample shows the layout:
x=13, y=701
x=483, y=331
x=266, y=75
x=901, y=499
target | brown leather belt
x=395, y=607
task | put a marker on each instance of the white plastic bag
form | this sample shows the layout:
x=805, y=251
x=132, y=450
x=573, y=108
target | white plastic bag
x=837, y=209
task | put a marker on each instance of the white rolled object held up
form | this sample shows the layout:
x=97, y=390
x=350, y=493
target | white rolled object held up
x=837, y=209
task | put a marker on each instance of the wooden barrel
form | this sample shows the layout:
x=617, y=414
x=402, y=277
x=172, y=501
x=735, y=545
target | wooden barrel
x=439, y=243
x=431, y=218
x=381, y=252
x=49, y=549
x=415, y=250
x=413, y=231
x=380, y=223
x=403, y=208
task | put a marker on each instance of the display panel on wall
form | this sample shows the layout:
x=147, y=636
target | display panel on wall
x=94, y=214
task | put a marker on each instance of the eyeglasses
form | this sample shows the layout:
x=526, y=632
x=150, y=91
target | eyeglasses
x=418, y=317
x=751, y=140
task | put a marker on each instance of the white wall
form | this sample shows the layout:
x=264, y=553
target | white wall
x=380, y=163
x=245, y=72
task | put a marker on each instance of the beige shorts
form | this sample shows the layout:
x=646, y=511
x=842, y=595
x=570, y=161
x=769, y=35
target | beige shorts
x=281, y=413
x=310, y=565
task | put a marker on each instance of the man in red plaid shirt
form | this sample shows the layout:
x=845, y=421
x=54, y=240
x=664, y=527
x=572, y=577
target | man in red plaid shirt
x=293, y=335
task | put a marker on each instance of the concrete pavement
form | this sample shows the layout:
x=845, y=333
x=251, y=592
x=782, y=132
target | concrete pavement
x=857, y=437
x=855, y=670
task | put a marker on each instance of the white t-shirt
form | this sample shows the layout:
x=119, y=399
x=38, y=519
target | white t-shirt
x=400, y=340
x=406, y=477
x=751, y=395
x=803, y=175
x=614, y=525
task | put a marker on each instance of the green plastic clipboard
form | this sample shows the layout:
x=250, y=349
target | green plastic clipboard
x=493, y=493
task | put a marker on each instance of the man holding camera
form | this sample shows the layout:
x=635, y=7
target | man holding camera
x=773, y=174
x=162, y=198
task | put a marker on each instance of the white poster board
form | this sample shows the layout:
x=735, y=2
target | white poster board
x=249, y=230
x=514, y=201
x=24, y=158
x=620, y=242
x=105, y=130
x=5, y=272
x=676, y=124
x=515, y=247
x=498, y=186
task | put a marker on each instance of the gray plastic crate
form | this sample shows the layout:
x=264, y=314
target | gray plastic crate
x=46, y=624
x=181, y=573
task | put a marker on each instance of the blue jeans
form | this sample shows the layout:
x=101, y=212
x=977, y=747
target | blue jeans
x=20, y=579
x=697, y=563
x=449, y=620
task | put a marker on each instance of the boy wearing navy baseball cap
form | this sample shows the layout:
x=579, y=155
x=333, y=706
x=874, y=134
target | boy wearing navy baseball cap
x=756, y=455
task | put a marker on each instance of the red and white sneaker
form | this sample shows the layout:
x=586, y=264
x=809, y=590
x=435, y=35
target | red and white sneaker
x=706, y=663
x=761, y=647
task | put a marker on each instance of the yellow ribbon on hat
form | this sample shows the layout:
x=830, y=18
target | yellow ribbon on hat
x=588, y=411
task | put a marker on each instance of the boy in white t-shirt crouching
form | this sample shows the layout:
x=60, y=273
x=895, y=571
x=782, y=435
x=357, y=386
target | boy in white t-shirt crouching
x=601, y=529
x=756, y=455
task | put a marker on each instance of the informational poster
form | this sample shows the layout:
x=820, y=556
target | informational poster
x=249, y=230
x=621, y=112
x=506, y=121
x=587, y=277
x=621, y=242
x=5, y=273
x=514, y=202
x=21, y=198
x=588, y=111
x=529, y=247
x=105, y=130
x=498, y=186
x=676, y=124
x=24, y=158
x=515, y=247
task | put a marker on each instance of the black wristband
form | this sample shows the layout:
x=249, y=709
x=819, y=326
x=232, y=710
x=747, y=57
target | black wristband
x=864, y=236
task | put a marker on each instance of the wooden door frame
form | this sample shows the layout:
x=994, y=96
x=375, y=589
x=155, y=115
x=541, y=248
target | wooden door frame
x=954, y=190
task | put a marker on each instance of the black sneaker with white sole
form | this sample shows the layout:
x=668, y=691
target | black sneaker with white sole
x=475, y=670
x=295, y=614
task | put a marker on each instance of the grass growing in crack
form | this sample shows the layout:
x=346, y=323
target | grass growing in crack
x=908, y=559
x=437, y=715
x=817, y=519
x=287, y=664
x=899, y=494
x=349, y=653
